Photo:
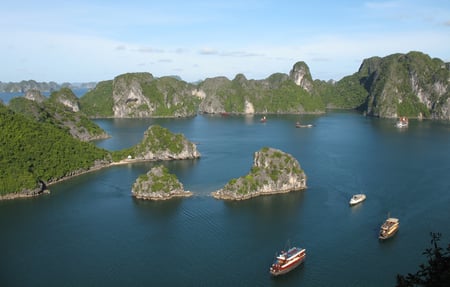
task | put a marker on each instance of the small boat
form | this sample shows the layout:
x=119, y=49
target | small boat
x=402, y=122
x=357, y=198
x=263, y=119
x=389, y=228
x=298, y=125
x=287, y=261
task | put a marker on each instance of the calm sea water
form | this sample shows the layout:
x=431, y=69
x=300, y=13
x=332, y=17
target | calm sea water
x=90, y=232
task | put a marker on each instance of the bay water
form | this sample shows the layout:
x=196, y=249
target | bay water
x=90, y=232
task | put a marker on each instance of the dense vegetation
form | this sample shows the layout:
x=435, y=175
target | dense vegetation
x=435, y=273
x=166, y=96
x=53, y=112
x=98, y=103
x=276, y=94
x=159, y=179
x=276, y=163
x=156, y=139
x=33, y=151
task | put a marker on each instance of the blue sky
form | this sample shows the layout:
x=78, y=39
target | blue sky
x=94, y=40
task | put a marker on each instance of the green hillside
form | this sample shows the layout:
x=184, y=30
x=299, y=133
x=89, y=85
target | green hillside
x=33, y=151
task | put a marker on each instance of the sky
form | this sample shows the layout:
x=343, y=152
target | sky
x=96, y=40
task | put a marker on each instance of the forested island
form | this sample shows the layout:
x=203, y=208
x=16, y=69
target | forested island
x=36, y=153
x=412, y=85
x=273, y=171
x=47, y=139
x=158, y=184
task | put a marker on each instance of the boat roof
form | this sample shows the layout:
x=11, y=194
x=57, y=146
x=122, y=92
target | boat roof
x=392, y=219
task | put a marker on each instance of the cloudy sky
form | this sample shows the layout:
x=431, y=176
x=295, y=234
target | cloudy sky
x=94, y=40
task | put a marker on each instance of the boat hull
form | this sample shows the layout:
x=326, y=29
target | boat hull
x=387, y=236
x=288, y=268
x=357, y=199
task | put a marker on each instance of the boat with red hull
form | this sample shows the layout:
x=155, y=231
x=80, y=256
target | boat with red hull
x=287, y=261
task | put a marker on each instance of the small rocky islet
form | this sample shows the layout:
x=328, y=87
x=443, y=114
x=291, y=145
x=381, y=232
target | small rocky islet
x=158, y=184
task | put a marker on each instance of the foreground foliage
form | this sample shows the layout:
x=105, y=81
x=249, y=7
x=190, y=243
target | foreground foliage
x=33, y=151
x=436, y=272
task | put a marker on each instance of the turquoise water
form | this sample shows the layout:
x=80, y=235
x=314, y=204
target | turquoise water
x=90, y=232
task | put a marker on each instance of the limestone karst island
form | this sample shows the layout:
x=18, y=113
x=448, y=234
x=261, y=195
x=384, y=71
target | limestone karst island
x=273, y=171
x=48, y=139
x=158, y=184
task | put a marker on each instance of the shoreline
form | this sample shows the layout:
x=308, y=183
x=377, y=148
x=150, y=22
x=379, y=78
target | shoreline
x=251, y=195
x=35, y=193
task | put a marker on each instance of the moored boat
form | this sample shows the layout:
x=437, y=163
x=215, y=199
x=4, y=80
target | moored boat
x=357, y=198
x=287, y=261
x=402, y=122
x=299, y=125
x=389, y=228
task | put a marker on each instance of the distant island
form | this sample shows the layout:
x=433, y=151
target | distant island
x=412, y=85
x=273, y=172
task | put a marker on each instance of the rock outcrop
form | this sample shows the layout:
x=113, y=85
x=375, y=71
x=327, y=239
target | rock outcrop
x=301, y=75
x=158, y=184
x=140, y=95
x=60, y=109
x=273, y=172
x=277, y=94
x=66, y=97
x=34, y=95
x=412, y=85
x=160, y=144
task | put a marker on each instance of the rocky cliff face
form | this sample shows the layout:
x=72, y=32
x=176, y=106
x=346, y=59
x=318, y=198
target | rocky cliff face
x=34, y=95
x=66, y=97
x=160, y=144
x=301, y=75
x=273, y=172
x=140, y=95
x=277, y=94
x=60, y=109
x=412, y=85
x=158, y=184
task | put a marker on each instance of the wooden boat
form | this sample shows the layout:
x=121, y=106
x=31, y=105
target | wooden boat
x=298, y=125
x=287, y=261
x=402, y=122
x=357, y=198
x=389, y=228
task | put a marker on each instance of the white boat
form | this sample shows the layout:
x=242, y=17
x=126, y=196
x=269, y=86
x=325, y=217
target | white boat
x=357, y=198
x=287, y=261
x=402, y=122
x=389, y=228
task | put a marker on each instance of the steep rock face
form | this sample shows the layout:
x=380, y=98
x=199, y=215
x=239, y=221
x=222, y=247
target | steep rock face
x=213, y=89
x=412, y=85
x=160, y=144
x=34, y=95
x=158, y=184
x=66, y=97
x=128, y=97
x=140, y=95
x=277, y=94
x=58, y=110
x=301, y=75
x=273, y=172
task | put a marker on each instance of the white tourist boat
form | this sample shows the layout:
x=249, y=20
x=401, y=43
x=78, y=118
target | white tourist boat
x=357, y=198
x=287, y=261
